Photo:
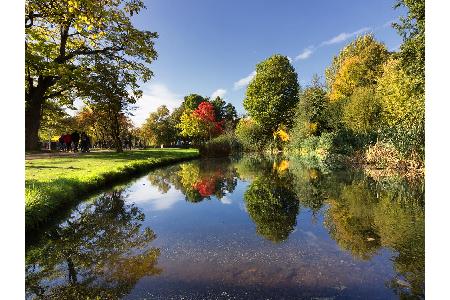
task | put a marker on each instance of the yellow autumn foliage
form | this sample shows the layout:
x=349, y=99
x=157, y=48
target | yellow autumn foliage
x=282, y=135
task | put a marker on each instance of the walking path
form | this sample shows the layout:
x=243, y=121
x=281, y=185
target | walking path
x=40, y=155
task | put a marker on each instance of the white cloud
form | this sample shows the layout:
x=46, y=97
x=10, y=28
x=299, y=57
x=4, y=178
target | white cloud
x=154, y=95
x=289, y=58
x=226, y=200
x=244, y=81
x=218, y=93
x=305, y=54
x=147, y=196
x=344, y=36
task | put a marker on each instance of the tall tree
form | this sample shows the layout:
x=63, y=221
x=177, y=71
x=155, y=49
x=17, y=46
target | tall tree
x=62, y=36
x=358, y=64
x=272, y=94
x=200, y=124
x=225, y=112
x=310, y=114
x=192, y=101
x=110, y=93
x=412, y=51
x=157, y=128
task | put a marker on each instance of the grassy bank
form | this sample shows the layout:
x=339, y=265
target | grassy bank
x=52, y=184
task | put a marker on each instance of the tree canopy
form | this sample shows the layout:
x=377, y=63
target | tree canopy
x=358, y=64
x=272, y=94
x=64, y=41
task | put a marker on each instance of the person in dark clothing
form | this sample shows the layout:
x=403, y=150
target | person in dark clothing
x=85, y=142
x=61, y=142
x=129, y=142
x=75, y=139
x=68, y=141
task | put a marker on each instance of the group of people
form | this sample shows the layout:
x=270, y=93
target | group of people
x=71, y=142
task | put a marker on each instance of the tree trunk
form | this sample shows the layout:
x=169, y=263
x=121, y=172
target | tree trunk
x=33, y=109
x=34, y=99
x=116, y=133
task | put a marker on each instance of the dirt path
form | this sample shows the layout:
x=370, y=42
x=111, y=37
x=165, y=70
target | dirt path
x=41, y=155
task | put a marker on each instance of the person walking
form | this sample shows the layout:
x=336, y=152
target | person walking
x=61, y=142
x=75, y=139
x=84, y=142
x=68, y=141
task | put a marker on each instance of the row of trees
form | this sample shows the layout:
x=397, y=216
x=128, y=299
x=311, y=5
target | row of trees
x=369, y=95
x=87, y=50
x=195, y=121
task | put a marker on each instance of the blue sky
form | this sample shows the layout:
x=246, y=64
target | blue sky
x=211, y=47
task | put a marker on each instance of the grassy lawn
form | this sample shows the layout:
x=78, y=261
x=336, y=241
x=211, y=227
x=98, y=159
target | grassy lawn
x=51, y=184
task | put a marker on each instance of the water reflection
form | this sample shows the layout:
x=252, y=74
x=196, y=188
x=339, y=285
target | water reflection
x=271, y=201
x=362, y=215
x=197, y=181
x=100, y=252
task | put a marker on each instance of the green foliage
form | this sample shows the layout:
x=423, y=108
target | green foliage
x=310, y=116
x=402, y=110
x=110, y=94
x=412, y=52
x=359, y=64
x=362, y=111
x=102, y=248
x=225, y=112
x=157, y=128
x=346, y=141
x=313, y=148
x=272, y=95
x=273, y=206
x=192, y=101
x=251, y=135
x=223, y=145
x=64, y=41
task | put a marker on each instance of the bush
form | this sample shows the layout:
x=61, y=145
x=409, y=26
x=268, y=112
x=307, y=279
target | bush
x=361, y=112
x=223, y=145
x=251, y=135
x=346, y=142
x=382, y=155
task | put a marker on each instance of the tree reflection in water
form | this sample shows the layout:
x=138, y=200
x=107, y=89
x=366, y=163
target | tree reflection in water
x=369, y=215
x=272, y=203
x=100, y=252
x=361, y=214
x=197, y=181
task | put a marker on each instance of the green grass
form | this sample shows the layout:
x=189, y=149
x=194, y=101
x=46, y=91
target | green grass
x=53, y=184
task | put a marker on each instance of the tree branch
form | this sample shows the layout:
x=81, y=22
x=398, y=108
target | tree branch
x=30, y=18
x=87, y=51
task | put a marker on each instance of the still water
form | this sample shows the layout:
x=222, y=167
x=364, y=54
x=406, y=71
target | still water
x=238, y=228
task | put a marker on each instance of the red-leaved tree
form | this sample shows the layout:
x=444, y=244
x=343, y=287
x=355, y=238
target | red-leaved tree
x=205, y=112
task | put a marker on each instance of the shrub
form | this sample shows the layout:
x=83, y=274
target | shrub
x=346, y=141
x=251, y=135
x=223, y=145
x=382, y=155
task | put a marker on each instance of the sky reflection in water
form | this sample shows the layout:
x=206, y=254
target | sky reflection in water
x=253, y=228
